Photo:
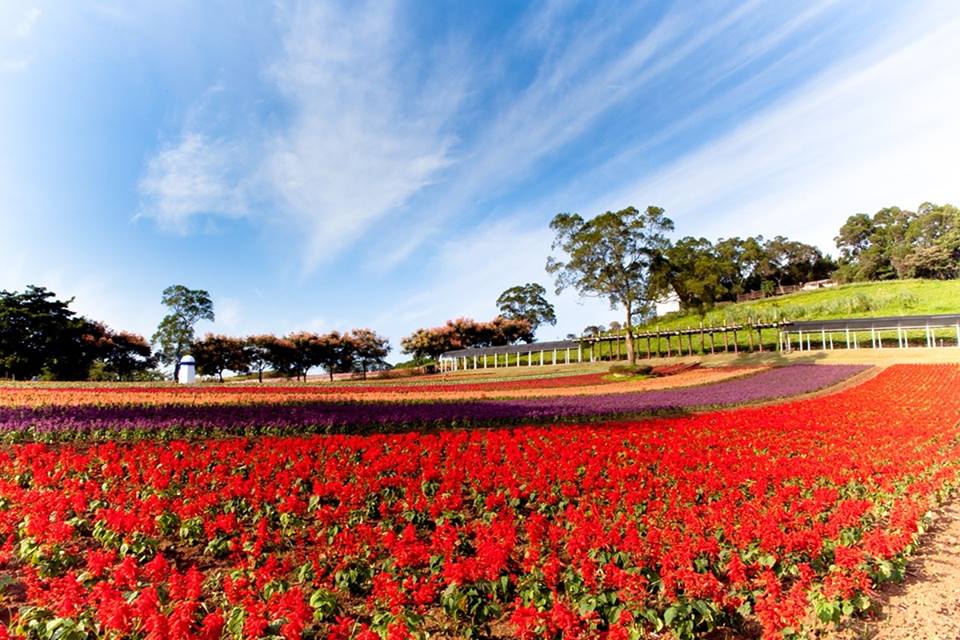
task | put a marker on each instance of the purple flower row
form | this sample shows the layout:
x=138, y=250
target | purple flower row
x=61, y=421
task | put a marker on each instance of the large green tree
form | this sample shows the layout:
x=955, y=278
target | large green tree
x=527, y=302
x=39, y=334
x=614, y=255
x=369, y=349
x=217, y=353
x=175, y=334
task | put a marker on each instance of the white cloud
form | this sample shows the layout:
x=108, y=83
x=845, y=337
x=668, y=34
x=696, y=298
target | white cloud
x=365, y=131
x=27, y=22
x=366, y=135
x=17, y=23
x=875, y=131
x=576, y=85
x=193, y=177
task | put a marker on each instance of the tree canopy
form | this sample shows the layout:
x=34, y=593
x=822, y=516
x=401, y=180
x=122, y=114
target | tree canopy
x=463, y=333
x=527, y=302
x=614, y=255
x=895, y=243
x=175, y=335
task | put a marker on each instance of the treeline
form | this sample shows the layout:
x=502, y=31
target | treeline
x=891, y=244
x=41, y=337
x=894, y=244
x=702, y=273
x=463, y=333
x=293, y=355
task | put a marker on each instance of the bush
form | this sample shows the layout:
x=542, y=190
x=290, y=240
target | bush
x=631, y=370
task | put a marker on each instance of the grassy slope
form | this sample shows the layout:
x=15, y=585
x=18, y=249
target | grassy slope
x=861, y=300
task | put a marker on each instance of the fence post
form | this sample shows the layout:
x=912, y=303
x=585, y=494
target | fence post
x=736, y=347
x=749, y=326
x=800, y=338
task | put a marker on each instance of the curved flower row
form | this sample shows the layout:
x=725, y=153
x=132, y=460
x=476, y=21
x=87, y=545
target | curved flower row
x=611, y=531
x=132, y=420
x=587, y=384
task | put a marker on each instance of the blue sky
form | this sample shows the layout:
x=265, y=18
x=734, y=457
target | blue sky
x=393, y=165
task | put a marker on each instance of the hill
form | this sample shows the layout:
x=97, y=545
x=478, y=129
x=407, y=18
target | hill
x=859, y=300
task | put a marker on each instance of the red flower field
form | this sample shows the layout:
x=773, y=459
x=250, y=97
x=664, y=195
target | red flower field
x=755, y=518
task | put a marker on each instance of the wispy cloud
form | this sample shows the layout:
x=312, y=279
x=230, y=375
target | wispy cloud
x=578, y=82
x=17, y=23
x=193, y=177
x=365, y=129
x=874, y=131
x=369, y=124
x=27, y=22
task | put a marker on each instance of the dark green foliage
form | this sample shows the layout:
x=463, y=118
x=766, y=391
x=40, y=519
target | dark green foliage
x=894, y=243
x=175, y=333
x=615, y=255
x=40, y=335
x=527, y=302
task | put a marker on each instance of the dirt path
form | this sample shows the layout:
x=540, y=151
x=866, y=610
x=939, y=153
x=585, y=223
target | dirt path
x=926, y=606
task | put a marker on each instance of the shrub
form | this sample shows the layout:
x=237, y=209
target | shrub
x=631, y=370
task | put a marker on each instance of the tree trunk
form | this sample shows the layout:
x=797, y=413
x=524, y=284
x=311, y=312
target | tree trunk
x=220, y=375
x=631, y=354
x=260, y=375
x=176, y=371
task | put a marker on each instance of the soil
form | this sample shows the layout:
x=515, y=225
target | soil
x=926, y=605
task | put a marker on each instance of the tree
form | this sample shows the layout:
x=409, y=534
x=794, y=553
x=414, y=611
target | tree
x=527, y=302
x=694, y=271
x=305, y=352
x=258, y=351
x=369, y=349
x=216, y=353
x=281, y=355
x=594, y=330
x=614, y=255
x=335, y=353
x=39, y=334
x=503, y=331
x=430, y=344
x=175, y=333
x=127, y=354
x=931, y=244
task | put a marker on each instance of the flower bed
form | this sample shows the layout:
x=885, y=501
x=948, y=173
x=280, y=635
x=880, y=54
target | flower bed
x=222, y=395
x=753, y=516
x=199, y=420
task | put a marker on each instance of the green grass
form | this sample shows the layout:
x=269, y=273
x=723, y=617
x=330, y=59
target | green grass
x=860, y=300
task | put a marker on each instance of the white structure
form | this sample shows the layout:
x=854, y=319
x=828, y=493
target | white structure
x=188, y=370
x=667, y=304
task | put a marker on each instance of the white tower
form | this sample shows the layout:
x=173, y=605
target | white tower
x=188, y=370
